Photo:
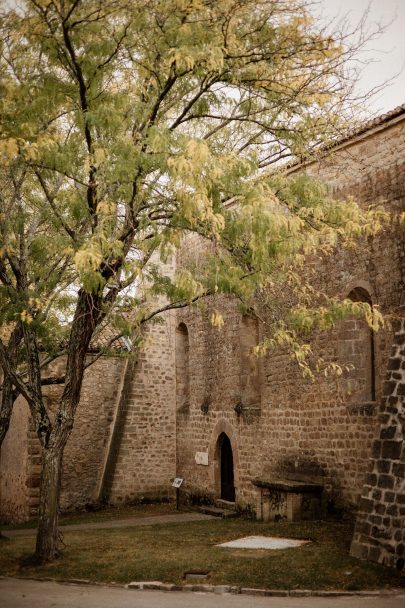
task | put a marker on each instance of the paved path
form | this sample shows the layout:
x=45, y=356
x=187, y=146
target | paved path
x=119, y=523
x=17, y=593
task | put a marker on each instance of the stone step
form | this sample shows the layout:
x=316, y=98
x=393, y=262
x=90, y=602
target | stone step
x=224, y=504
x=217, y=512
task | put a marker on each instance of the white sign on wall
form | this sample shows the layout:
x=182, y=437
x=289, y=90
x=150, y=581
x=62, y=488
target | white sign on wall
x=201, y=458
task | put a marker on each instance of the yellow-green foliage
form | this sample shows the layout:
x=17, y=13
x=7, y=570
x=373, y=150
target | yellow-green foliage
x=127, y=125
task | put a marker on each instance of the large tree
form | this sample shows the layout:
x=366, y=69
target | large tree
x=128, y=124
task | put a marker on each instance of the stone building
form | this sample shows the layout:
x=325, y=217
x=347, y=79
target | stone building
x=197, y=404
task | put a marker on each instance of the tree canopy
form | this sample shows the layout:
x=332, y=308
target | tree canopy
x=126, y=124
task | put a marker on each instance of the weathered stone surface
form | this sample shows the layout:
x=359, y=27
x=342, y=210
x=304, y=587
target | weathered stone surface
x=384, y=541
x=84, y=454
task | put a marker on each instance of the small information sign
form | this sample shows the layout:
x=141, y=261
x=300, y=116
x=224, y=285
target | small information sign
x=177, y=482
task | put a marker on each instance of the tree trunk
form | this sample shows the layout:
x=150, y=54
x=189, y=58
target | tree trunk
x=87, y=315
x=47, y=547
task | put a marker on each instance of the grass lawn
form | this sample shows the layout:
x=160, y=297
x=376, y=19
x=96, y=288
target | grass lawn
x=165, y=552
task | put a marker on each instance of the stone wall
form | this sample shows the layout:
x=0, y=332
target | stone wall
x=86, y=449
x=84, y=457
x=320, y=431
x=142, y=459
x=15, y=484
x=123, y=444
x=297, y=429
x=380, y=534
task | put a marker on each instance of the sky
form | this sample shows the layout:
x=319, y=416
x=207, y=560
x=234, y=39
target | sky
x=386, y=52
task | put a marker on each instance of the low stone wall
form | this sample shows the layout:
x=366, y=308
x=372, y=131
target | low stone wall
x=380, y=533
x=85, y=453
x=16, y=485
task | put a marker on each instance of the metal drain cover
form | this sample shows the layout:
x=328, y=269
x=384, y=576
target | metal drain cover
x=196, y=575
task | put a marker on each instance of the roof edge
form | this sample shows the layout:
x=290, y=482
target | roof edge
x=368, y=127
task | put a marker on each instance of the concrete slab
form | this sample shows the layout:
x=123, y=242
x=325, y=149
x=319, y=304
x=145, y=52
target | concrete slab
x=264, y=542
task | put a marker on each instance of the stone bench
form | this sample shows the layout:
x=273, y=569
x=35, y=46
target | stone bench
x=287, y=499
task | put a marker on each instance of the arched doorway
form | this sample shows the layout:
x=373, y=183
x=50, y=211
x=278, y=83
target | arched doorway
x=226, y=468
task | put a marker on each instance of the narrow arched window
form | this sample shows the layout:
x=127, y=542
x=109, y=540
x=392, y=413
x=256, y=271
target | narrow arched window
x=357, y=347
x=249, y=362
x=182, y=366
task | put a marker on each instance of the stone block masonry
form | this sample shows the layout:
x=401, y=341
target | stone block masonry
x=380, y=528
x=289, y=427
x=16, y=485
x=141, y=459
x=20, y=464
x=88, y=443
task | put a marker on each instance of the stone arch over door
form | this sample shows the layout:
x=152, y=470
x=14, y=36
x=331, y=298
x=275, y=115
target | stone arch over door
x=221, y=429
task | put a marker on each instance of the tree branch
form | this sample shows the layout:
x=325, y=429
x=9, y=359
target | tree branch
x=54, y=208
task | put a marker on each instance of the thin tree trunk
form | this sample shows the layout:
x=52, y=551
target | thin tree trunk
x=47, y=546
x=85, y=320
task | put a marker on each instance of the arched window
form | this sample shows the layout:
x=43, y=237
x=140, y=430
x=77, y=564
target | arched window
x=356, y=347
x=249, y=373
x=182, y=366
